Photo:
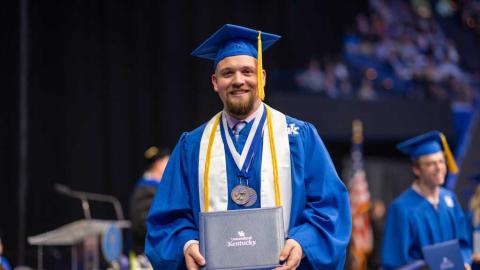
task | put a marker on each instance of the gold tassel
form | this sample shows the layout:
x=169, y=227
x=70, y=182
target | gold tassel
x=452, y=165
x=261, y=91
x=151, y=151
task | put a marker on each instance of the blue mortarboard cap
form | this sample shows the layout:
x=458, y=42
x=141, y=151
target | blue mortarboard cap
x=428, y=143
x=231, y=40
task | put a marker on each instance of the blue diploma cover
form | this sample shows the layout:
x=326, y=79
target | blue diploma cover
x=242, y=239
x=443, y=256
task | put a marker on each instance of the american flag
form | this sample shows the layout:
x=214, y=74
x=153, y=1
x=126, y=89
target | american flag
x=361, y=242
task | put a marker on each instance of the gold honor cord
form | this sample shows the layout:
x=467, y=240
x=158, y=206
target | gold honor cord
x=452, y=165
x=274, y=159
x=206, y=201
x=261, y=91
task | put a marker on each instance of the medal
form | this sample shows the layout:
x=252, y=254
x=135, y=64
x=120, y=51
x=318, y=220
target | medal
x=252, y=197
x=240, y=194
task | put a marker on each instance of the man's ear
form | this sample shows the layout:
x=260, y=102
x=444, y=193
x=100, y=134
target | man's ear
x=214, y=83
x=416, y=169
x=264, y=77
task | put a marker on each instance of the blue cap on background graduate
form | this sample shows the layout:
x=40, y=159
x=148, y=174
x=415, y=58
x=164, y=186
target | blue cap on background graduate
x=426, y=144
x=232, y=40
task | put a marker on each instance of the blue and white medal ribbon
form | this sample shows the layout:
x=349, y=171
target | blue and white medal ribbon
x=243, y=194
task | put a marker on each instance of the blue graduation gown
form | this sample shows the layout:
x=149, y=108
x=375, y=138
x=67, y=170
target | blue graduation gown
x=413, y=222
x=4, y=263
x=320, y=214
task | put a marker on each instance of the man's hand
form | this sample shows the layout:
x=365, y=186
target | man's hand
x=193, y=259
x=292, y=252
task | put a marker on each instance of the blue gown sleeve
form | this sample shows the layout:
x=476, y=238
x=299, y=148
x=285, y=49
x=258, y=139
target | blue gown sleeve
x=396, y=238
x=170, y=223
x=323, y=228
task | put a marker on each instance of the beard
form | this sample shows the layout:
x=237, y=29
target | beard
x=241, y=107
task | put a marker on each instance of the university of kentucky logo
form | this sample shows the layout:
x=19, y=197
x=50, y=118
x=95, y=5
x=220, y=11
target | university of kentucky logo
x=241, y=240
x=446, y=264
x=292, y=129
x=449, y=201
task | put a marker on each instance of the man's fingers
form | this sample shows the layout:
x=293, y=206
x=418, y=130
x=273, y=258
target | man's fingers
x=190, y=263
x=193, y=258
x=286, y=251
x=295, y=257
x=198, y=258
x=292, y=252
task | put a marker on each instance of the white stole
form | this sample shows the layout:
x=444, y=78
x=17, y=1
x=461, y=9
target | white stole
x=217, y=182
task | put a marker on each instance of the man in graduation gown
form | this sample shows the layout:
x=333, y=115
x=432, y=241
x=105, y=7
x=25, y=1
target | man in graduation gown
x=283, y=158
x=143, y=193
x=426, y=213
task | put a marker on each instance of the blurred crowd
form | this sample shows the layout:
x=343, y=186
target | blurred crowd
x=394, y=50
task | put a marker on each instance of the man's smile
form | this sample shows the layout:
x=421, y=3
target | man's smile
x=239, y=92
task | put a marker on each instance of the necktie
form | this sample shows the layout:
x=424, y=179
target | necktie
x=237, y=128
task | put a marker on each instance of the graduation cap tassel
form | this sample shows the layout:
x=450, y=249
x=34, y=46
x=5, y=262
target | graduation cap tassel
x=261, y=91
x=452, y=165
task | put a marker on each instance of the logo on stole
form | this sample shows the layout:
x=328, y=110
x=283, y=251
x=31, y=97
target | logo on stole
x=448, y=201
x=292, y=129
x=242, y=240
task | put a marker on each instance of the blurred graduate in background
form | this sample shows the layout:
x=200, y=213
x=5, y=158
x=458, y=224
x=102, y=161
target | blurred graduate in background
x=426, y=213
x=155, y=162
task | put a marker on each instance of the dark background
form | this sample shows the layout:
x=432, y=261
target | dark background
x=107, y=79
